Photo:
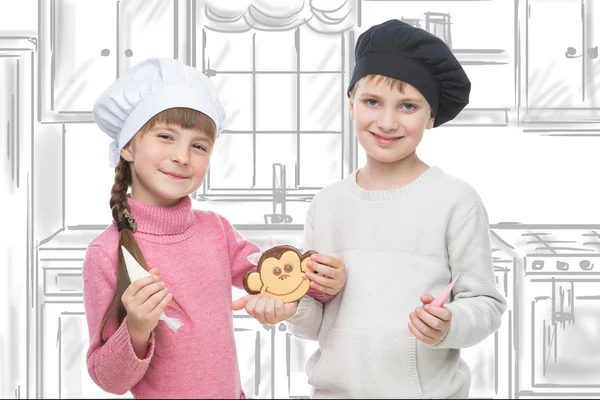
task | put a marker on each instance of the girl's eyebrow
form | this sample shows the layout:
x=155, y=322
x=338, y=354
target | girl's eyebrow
x=196, y=136
x=163, y=128
x=204, y=138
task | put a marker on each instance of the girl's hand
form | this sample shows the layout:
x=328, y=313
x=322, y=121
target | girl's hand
x=144, y=300
x=429, y=324
x=265, y=309
x=331, y=276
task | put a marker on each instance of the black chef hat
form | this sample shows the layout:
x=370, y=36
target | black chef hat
x=415, y=56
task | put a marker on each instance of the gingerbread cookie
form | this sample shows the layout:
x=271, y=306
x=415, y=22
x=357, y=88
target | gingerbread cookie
x=280, y=274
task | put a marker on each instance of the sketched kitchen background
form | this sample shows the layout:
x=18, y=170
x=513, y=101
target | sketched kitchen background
x=527, y=142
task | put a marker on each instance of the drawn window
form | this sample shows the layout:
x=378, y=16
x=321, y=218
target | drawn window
x=284, y=96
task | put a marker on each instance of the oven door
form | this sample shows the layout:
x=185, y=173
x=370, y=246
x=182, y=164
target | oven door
x=565, y=321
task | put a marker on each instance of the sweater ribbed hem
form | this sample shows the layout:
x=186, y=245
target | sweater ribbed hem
x=392, y=194
x=412, y=367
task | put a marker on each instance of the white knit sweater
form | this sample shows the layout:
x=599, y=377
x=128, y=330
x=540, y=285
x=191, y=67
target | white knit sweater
x=398, y=245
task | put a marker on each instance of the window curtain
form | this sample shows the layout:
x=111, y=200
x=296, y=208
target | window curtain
x=324, y=16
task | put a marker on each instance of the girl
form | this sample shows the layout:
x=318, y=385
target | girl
x=164, y=118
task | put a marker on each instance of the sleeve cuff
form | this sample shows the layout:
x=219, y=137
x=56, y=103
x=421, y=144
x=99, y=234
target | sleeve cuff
x=121, y=342
x=305, y=305
x=453, y=335
x=318, y=295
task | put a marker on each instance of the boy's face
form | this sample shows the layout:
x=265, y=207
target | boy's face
x=169, y=162
x=389, y=124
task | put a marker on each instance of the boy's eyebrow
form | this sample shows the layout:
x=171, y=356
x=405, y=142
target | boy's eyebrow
x=402, y=100
x=370, y=95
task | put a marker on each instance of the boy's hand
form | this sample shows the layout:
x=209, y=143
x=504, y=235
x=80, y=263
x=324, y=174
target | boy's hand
x=265, y=309
x=429, y=324
x=331, y=276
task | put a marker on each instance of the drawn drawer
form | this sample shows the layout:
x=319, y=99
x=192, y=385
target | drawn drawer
x=63, y=278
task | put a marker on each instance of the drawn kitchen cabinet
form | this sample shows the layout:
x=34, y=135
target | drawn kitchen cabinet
x=62, y=326
x=16, y=91
x=290, y=364
x=271, y=360
x=86, y=189
x=487, y=56
x=561, y=66
x=254, y=349
x=490, y=361
x=64, y=347
x=86, y=44
x=302, y=83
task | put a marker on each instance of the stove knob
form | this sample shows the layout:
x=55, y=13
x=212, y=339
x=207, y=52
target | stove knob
x=586, y=265
x=537, y=265
x=562, y=266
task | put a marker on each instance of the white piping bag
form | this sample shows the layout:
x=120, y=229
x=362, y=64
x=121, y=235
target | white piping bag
x=136, y=271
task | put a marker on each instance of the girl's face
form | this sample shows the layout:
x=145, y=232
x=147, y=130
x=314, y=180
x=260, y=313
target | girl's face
x=167, y=163
x=389, y=124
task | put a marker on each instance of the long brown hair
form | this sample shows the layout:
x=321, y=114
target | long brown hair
x=183, y=117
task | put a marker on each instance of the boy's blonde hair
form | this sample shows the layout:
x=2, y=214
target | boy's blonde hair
x=395, y=84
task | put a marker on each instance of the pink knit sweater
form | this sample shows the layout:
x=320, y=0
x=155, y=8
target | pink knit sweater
x=200, y=256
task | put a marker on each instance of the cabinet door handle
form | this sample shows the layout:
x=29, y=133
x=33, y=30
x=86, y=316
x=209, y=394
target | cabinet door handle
x=570, y=53
x=8, y=140
x=593, y=52
x=104, y=53
x=128, y=53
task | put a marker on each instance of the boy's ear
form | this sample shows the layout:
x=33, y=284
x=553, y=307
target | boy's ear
x=431, y=121
x=351, y=108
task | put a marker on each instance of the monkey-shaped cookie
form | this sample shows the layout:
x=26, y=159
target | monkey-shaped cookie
x=280, y=274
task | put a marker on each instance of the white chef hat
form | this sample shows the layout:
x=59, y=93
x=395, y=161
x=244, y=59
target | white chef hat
x=146, y=89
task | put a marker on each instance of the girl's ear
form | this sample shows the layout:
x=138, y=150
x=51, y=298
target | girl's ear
x=126, y=152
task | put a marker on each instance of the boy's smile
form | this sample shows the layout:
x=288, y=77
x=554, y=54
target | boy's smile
x=386, y=140
x=389, y=123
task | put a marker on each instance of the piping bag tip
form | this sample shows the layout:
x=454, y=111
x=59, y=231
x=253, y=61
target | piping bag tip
x=441, y=299
x=172, y=323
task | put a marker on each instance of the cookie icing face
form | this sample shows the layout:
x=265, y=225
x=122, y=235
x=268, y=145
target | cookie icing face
x=280, y=274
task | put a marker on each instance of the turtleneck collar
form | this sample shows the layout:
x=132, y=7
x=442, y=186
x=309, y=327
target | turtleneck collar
x=171, y=223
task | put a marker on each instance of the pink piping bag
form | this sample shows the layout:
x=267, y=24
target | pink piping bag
x=441, y=299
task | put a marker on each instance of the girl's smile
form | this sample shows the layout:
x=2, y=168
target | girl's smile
x=179, y=156
x=174, y=176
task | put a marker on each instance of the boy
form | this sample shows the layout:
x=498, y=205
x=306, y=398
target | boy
x=403, y=229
